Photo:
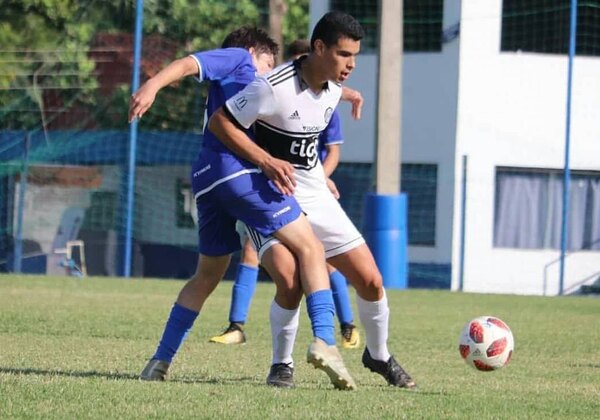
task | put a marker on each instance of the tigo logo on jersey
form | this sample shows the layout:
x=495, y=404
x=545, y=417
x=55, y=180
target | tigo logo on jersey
x=307, y=149
x=294, y=116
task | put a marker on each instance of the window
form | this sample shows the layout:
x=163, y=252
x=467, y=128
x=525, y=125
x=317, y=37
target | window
x=422, y=22
x=419, y=182
x=528, y=209
x=543, y=26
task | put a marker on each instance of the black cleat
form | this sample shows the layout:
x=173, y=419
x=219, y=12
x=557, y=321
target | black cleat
x=390, y=370
x=281, y=375
x=155, y=370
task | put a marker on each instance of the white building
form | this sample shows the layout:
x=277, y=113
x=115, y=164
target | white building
x=478, y=97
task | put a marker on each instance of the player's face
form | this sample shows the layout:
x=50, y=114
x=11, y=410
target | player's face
x=263, y=62
x=340, y=59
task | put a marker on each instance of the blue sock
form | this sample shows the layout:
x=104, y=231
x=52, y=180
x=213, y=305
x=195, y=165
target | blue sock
x=176, y=330
x=242, y=293
x=320, y=311
x=341, y=297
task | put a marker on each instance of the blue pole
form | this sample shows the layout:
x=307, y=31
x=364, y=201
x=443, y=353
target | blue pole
x=18, y=253
x=463, y=223
x=135, y=84
x=567, y=173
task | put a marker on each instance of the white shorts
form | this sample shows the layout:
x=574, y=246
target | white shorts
x=329, y=221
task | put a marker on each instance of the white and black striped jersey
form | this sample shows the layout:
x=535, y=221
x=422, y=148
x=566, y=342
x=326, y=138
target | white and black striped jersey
x=288, y=118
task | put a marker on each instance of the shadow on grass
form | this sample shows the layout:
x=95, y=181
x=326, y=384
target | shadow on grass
x=122, y=376
x=309, y=385
x=585, y=365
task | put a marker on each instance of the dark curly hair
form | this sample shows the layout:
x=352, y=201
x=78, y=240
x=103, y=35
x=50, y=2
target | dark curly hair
x=251, y=37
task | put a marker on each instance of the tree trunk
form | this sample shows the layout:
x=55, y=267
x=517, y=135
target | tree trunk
x=277, y=11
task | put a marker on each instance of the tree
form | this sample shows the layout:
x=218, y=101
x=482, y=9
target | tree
x=49, y=54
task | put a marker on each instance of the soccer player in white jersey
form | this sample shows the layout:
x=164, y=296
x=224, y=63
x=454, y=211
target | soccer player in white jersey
x=246, y=275
x=289, y=107
x=228, y=188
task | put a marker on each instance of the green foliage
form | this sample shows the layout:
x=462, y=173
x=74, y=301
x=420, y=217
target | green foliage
x=73, y=349
x=296, y=22
x=45, y=51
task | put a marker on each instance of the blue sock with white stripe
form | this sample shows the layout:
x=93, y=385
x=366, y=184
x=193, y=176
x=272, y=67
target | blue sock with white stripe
x=320, y=311
x=341, y=297
x=176, y=330
x=242, y=293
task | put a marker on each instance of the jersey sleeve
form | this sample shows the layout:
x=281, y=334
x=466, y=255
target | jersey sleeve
x=253, y=102
x=333, y=132
x=222, y=63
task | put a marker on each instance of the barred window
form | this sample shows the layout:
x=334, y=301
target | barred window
x=422, y=22
x=543, y=26
x=419, y=182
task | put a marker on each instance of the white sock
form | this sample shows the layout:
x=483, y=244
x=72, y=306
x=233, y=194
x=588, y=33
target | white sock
x=375, y=318
x=284, y=326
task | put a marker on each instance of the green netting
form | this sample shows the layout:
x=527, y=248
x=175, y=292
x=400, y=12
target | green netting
x=543, y=26
x=422, y=22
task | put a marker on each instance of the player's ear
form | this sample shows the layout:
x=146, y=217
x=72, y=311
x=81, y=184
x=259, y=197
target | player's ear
x=251, y=50
x=319, y=46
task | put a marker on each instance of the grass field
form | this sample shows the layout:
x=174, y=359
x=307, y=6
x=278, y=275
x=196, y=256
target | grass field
x=73, y=349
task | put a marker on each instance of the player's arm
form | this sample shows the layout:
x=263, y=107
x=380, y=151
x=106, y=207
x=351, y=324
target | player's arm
x=205, y=65
x=355, y=98
x=240, y=111
x=144, y=97
x=228, y=131
x=332, y=159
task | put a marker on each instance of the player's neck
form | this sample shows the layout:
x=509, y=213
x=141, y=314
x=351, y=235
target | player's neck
x=311, y=74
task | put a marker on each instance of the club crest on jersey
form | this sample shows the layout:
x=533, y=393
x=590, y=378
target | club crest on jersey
x=328, y=113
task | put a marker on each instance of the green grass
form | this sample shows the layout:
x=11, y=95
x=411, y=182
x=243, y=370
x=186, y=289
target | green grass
x=73, y=349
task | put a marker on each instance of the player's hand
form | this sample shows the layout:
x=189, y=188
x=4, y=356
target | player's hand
x=281, y=173
x=141, y=101
x=333, y=188
x=355, y=98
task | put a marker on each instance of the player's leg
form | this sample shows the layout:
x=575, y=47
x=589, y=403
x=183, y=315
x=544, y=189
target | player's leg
x=253, y=200
x=184, y=312
x=217, y=240
x=284, y=314
x=242, y=292
x=283, y=269
x=346, y=250
x=358, y=265
x=343, y=308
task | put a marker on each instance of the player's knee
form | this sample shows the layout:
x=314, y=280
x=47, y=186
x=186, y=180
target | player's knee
x=289, y=296
x=371, y=288
x=309, y=249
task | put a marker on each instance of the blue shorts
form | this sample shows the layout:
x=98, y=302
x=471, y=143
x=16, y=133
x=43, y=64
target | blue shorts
x=251, y=198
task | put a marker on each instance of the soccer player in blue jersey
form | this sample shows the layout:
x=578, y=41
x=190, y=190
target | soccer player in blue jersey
x=289, y=107
x=247, y=273
x=229, y=188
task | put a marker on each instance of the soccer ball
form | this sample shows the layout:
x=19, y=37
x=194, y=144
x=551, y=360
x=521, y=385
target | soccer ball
x=486, y=343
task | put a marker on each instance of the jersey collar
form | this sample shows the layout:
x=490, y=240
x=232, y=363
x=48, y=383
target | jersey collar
x=298, y=66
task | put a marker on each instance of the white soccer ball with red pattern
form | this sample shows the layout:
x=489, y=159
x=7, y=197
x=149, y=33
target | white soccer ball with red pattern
x=486, y=343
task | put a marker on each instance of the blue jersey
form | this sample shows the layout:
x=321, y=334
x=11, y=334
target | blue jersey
x=331, y=135
x=229, y=70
